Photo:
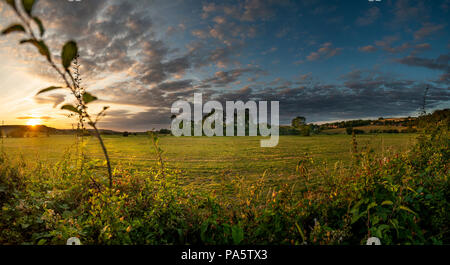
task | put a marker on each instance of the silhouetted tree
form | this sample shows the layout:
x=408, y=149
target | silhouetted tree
x=298, y=122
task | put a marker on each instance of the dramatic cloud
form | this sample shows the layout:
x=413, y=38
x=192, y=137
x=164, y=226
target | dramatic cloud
x=370, y=94
x=405, y=11
x=368, y=48
x=176, y=86
x=440, y=63
x=387, y=44
x=369, y=17
x=32, y=118
x=254, y=9
x=223, y=78
x=141, y=56
x=54, y=99
x=325, y=51
x=426, y=30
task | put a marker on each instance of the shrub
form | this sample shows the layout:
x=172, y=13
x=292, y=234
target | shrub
x=305, y=130
x=350, y=131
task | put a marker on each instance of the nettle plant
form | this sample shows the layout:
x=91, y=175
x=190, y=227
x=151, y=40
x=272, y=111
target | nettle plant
x=33, y=28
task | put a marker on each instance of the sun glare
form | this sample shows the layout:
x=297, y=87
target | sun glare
x=34, y=122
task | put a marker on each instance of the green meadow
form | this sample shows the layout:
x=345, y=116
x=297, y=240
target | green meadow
x=212, y=160
x=322, y=189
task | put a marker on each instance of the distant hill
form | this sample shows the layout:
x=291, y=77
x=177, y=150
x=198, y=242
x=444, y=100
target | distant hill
x=386, y=125
x=19, y=131
x=381, y=125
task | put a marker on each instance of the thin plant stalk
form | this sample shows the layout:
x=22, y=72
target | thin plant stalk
x=66, y=76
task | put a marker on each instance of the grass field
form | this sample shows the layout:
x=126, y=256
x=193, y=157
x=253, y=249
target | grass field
x=394, y=187
x=213, y=161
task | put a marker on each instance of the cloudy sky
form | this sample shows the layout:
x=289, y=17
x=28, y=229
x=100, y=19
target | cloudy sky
x=325, y=60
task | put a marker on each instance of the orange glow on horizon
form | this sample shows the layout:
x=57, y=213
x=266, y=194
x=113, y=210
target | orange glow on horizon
x=34, y=122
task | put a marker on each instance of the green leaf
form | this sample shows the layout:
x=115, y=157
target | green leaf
x=13, y=28
x=371, y=205
x=203, y=229
x=42, y=47
x=48, y=89
x=87, y=98
x=356, y=217
x=42, y=242
x=40, y=25
x=69, y=52
x=300, y=230
x=70, y=108
x=28, y=6
x=238, y=234
x=387, y=203
x=404, y=208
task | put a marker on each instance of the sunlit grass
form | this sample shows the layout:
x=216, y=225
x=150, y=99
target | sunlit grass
x=213, y=161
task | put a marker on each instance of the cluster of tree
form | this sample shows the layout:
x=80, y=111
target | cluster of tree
x=164, y=131
x=126, y=134
x=299, y=123
x=435, y=117
x=351, y=130
x=300, y=127
x=160, y=132
x=407, y=122
x=396, y=122
x=248, y=122
x=19, y=134
x=346, y=124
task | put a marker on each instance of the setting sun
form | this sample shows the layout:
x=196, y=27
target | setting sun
x=34, y=122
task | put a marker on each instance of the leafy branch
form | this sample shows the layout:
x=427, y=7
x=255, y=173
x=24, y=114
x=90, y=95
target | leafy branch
x=69, y=54
x=159, y=151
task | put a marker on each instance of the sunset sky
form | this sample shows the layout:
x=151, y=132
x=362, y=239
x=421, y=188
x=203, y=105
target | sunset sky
x=325, y=60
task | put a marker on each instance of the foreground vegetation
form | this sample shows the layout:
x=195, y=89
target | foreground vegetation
x=401, y=197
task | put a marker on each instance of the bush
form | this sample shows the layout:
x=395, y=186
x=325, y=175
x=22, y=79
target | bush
x=165, y=131
x=390, y=131
x=17, y=133
x=350, y=131
x=305, y=130
x=409, y=130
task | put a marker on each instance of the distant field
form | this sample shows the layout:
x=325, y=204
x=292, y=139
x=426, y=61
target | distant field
x=366, y=129
x=213, y=160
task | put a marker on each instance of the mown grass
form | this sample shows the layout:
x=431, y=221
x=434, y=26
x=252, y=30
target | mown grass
x=208, y=163
x=398, y=196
